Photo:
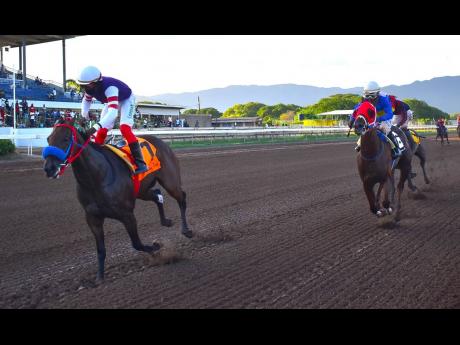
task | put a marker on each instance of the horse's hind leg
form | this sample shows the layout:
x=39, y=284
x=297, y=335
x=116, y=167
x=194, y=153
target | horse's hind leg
x=177, y=193
x=420, y=153
x=130, y=223
x=158, y=199
x=96, y=226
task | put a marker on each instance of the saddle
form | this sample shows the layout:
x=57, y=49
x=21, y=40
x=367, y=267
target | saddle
x=121, y=149
x=415, y=137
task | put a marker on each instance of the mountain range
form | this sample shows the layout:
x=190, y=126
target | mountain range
x=441, y=92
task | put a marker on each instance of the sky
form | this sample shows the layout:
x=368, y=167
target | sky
x=157, y=64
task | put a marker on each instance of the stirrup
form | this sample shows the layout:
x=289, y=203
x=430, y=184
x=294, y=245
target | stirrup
x=141, y=169
x=357, y=148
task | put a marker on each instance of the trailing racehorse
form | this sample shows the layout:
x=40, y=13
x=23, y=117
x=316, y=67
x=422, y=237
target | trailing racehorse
x=106, y=187
x=375, y=162
x=415, y=142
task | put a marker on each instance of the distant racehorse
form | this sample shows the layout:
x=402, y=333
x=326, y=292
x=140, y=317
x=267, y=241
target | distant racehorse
x=441, y=131
x=415, y=142
x=105, y=187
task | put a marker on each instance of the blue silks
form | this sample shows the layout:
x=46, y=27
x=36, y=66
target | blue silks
x=382, y=136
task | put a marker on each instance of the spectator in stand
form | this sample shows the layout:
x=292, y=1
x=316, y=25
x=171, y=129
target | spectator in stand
x=16, y=106
x=32, y=109
x=2, y=110
x=25, y=110
x=32, y=119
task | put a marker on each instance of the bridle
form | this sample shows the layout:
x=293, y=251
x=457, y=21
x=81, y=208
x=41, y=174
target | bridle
x=68, y=155
x=361, y=133
x=364, y=128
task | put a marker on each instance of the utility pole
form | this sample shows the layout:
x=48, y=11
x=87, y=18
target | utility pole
x=199, y=109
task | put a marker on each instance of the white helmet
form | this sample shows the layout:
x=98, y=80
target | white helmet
x=371, y=90
x=89, y=75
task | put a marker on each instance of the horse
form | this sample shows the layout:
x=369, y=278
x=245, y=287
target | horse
x=105, y=188
x=418, y=149
x=441, y=131
x=375, y=164
x=458, y=130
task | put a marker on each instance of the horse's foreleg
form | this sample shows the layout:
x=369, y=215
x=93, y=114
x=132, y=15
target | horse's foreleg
x=402, y=180
x=368, y=189
x=379, y=191
x=130, y=223
x=96, y=226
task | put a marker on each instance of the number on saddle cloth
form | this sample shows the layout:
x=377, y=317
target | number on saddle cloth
x=398, y=140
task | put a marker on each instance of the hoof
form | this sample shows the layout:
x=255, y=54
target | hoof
x=167, y=222
x=188, y=233
x=389, y=210
x=99, y=281
x=380, y=214
x=153, y=248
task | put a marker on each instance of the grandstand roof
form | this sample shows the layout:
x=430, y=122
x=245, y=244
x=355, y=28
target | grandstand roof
x=16, y=40
x=338, y=112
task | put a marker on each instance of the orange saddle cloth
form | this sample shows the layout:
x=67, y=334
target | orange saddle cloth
x=148, y=151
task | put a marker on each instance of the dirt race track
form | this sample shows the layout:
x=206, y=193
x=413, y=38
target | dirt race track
x=283, y=226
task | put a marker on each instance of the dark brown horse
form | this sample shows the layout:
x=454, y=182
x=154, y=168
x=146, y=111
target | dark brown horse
x=418, y=149
x=105, y=188
x=375, y=164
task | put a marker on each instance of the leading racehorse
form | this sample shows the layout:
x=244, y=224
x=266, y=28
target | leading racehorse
x=375, y=161
x=105, y=187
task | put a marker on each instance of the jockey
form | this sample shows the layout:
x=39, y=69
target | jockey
x=116, y=95
x=440, y=122
x=382, y=103
x=402, y=116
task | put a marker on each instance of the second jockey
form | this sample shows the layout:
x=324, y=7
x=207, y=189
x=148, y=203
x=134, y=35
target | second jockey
x=402, y=116
x=115, y=95
x=382, y=103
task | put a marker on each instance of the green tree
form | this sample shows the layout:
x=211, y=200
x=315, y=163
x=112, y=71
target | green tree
x=243, y=110
x=424, y=111
x=211, y=111
x=334, y=102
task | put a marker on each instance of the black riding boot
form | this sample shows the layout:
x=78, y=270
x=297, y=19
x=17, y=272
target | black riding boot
x=138, y=158
x=408, y=134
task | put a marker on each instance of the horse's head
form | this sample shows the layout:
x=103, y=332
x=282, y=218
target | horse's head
x=365, y=117
x=62, y=141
